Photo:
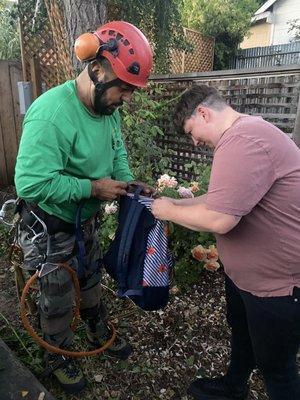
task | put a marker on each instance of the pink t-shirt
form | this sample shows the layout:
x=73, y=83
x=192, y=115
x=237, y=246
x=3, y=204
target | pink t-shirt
x=256, y=175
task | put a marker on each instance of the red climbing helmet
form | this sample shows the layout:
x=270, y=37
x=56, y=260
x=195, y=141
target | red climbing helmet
x=124, y=46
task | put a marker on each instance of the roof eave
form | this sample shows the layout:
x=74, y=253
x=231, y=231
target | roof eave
x=265, y=7
x=267, y=15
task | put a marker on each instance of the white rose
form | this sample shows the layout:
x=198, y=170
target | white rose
x=111, y=208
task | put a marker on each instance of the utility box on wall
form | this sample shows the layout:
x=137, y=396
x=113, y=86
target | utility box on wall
x=25, y=96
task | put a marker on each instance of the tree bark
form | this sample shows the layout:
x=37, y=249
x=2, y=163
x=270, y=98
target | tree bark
x=82, y=16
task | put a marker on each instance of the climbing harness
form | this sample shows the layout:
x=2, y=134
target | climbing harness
x=39, y=231
x=9, y=204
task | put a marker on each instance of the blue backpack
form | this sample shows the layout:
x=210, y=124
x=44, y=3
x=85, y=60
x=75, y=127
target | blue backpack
x=138, y=258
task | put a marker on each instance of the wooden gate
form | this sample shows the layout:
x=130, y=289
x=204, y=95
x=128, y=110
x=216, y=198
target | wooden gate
x=10, y=119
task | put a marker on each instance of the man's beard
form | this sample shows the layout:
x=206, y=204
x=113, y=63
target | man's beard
x=100, y=104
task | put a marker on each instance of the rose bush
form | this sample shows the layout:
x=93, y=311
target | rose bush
x=193, y=251
x=140, y=126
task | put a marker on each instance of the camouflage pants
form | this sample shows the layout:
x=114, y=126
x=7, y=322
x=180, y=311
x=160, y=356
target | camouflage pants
x=56, y=297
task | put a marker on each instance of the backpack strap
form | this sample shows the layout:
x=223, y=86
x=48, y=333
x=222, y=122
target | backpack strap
x=130, y=224
x=137, y=193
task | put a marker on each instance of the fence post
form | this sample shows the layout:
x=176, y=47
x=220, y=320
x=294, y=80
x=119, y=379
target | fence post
x=183, y=55
x=296, y=132
x=21, y=36
x=36, y=79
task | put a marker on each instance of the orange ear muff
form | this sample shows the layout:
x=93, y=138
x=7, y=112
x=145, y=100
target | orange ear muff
x=86, y=46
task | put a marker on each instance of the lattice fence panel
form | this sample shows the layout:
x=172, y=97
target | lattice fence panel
x=60, y=40
x=46, y=43
x=201, y=57
x=275, y=98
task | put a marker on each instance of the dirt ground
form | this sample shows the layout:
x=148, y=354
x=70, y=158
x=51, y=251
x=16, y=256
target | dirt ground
x=189, y=339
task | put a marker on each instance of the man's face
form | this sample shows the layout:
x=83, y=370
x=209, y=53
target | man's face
x=198, y=127
x=106, y=103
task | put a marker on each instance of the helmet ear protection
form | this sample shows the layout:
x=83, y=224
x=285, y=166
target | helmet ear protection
x=88, y=48
x=124, y=46
x=85, y=44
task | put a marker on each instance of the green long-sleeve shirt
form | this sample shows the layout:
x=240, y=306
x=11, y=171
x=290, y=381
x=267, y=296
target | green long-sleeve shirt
x=63, y=147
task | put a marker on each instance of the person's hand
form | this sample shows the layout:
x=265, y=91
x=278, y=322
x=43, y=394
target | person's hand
x=147, y=189
x=108, y=189
x=161, y=208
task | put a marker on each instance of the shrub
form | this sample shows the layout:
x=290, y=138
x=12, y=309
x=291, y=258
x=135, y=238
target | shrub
x=141, y=131
x=192, y=251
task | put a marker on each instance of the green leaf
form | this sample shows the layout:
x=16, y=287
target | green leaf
x=190, y=361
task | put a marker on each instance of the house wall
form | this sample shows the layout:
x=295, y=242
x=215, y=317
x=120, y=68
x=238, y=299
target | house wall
x=259, y=36
x=284, y=11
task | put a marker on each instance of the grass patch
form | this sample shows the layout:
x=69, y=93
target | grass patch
x=20, y=342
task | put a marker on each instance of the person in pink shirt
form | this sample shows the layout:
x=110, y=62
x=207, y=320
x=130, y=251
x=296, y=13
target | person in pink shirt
x=253, y=207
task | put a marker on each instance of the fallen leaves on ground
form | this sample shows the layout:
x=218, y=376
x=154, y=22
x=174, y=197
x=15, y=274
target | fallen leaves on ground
x=189, y=339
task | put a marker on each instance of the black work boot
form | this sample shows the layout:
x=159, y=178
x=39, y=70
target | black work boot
x=216, y=389
x=99, y=333
x=66, y=372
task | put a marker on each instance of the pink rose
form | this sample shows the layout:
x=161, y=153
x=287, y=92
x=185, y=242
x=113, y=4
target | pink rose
x=212, y=265
x=185, y=193
x=194, y=187
x=199, y=253
x=167, y=181
x=212, y=253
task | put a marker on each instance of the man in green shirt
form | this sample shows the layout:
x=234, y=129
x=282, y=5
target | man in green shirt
x=72, y=153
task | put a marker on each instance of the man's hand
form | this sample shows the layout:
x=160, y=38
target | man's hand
x=108, y=189
x=147, y=190
x=161, y=208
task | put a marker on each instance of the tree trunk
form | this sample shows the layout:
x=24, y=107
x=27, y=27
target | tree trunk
x=82, y=16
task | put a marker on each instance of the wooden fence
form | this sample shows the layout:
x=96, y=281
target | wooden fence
x=44, y=49
x=201, y=58
x=272, y=93
x=46, y=58
x=256, y=57
x=10, y=119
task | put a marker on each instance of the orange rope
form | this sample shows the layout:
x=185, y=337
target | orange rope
x=42, y=342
